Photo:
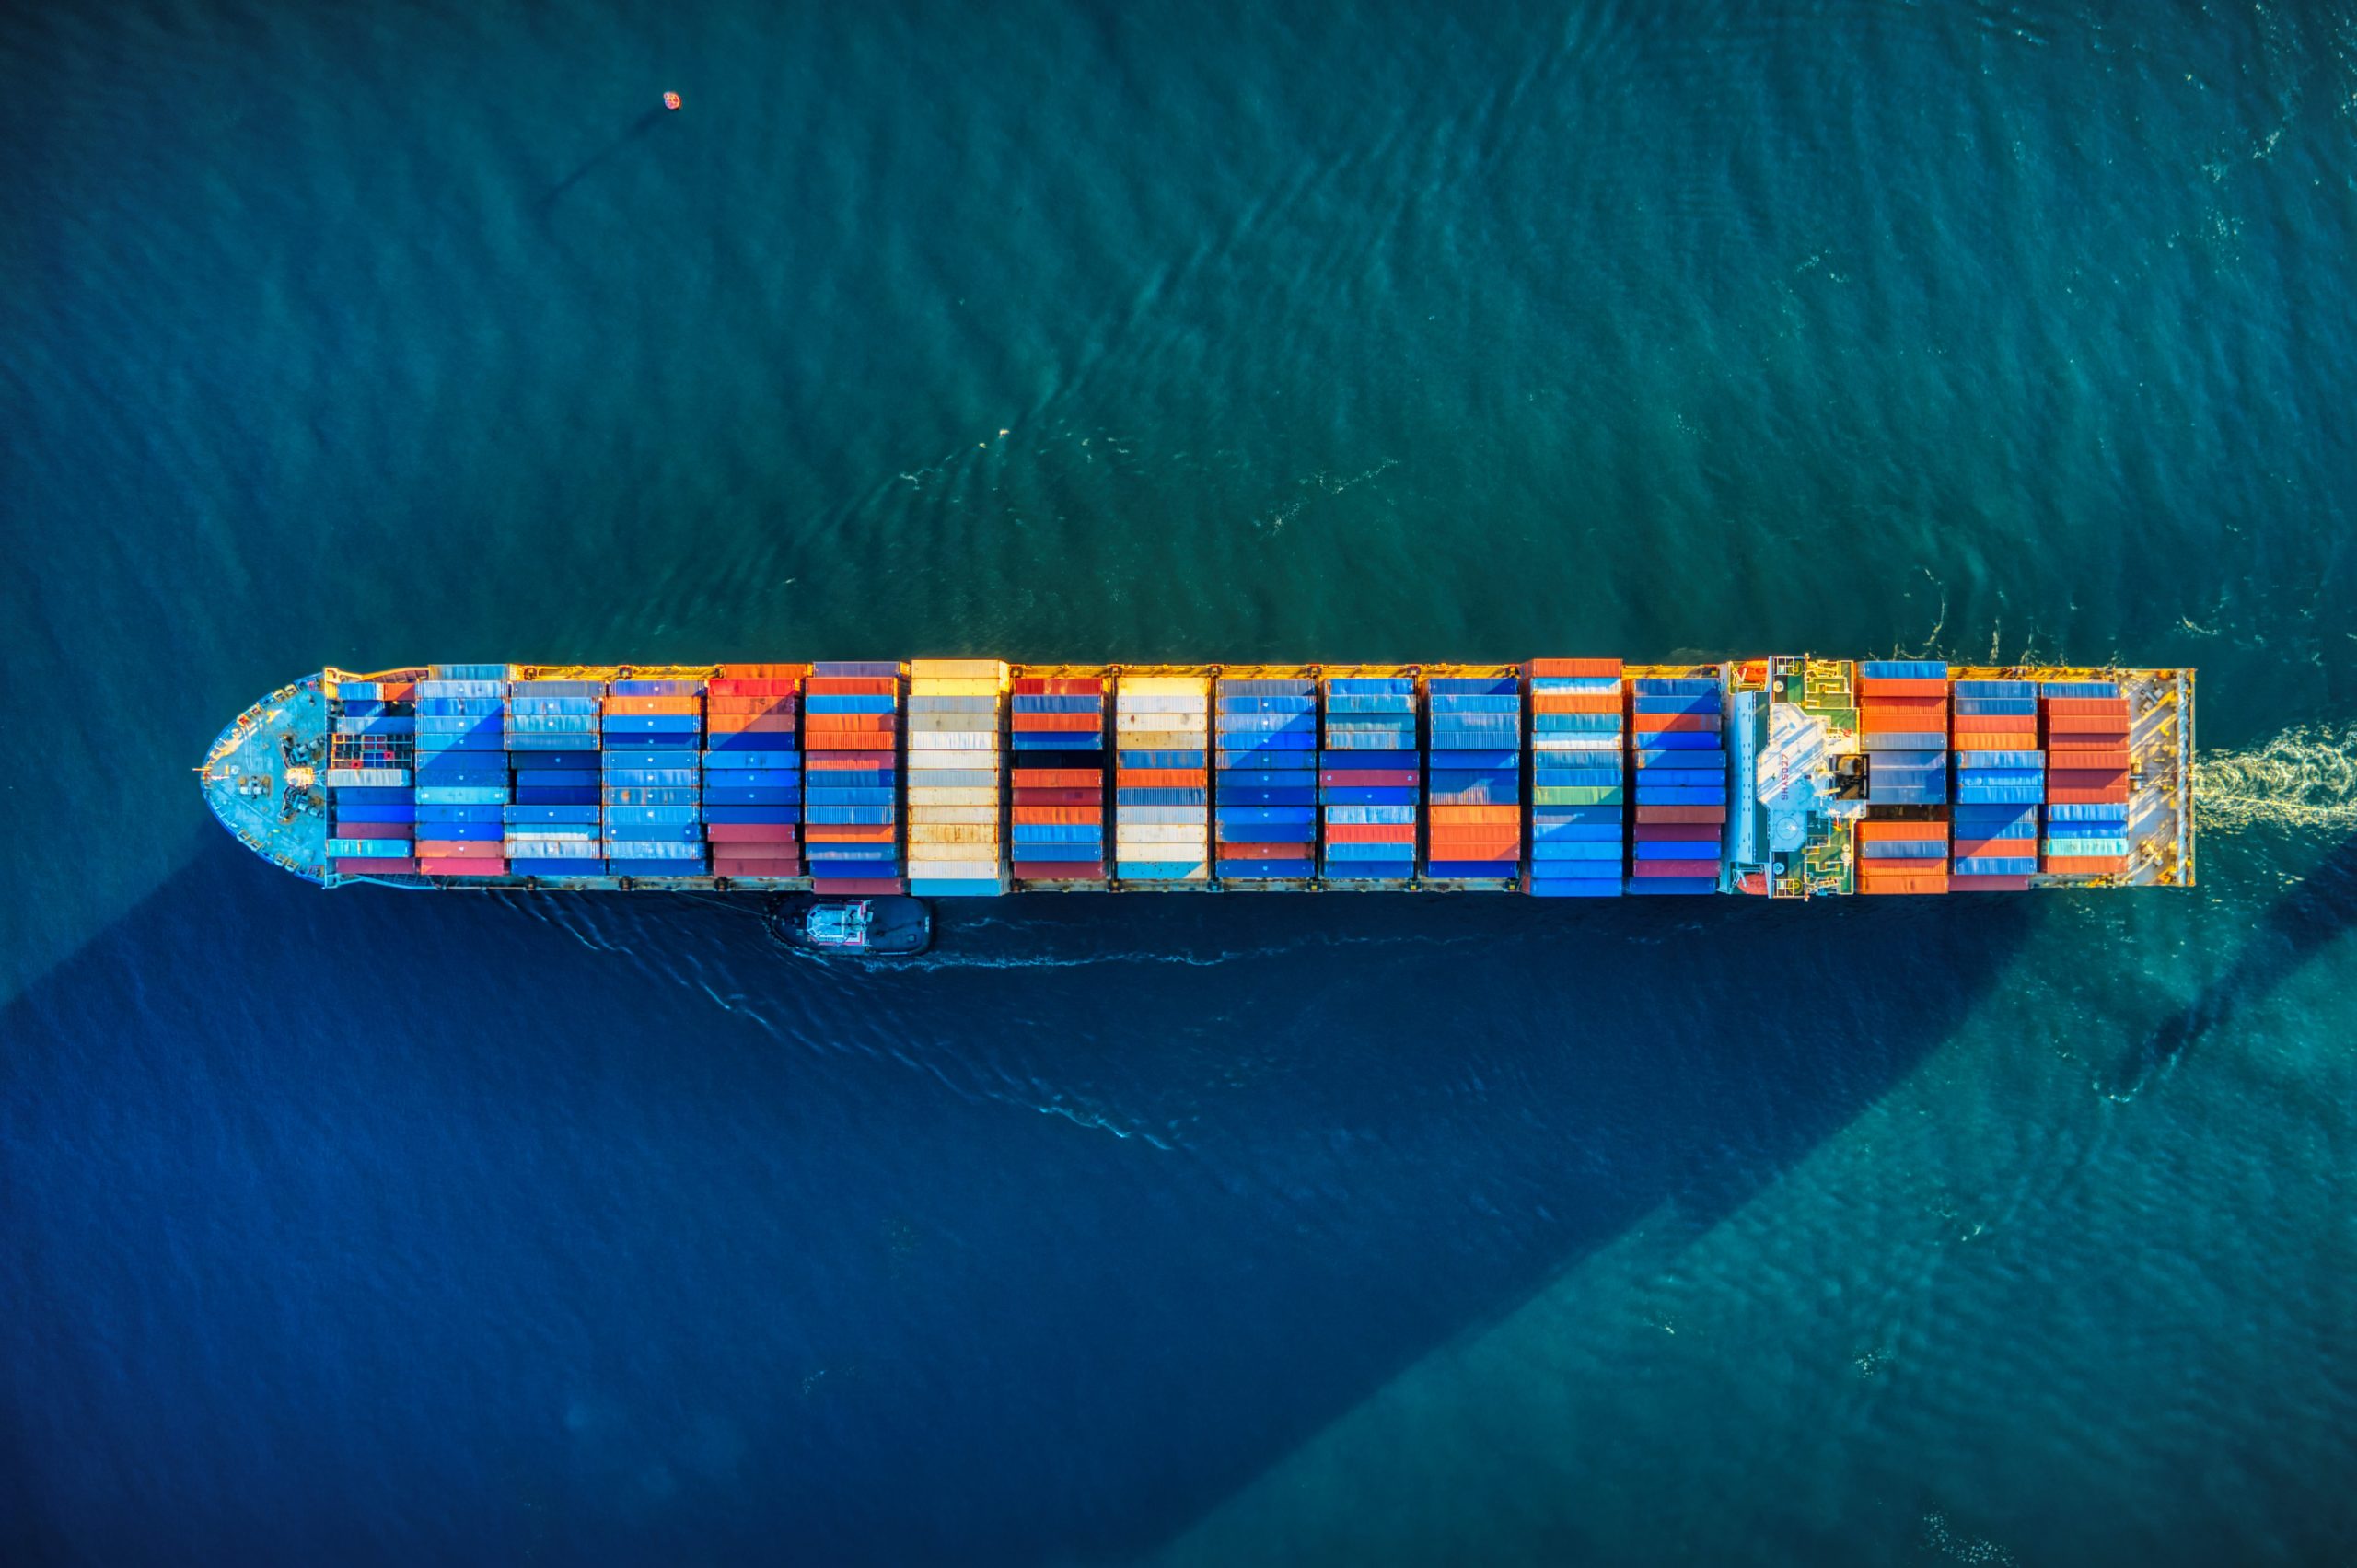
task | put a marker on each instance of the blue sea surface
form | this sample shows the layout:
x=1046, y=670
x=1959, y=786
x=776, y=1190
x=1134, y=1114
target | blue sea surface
x=375, y=1228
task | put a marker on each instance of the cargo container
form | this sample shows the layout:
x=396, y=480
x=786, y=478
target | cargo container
x=851, y=797
x=1473, y=751
x=1579, y=783
x=1679, y=767
x=1789, y=776
x=752, y=774
x=955, y=777
x=1370, y=778
x=1265, y=783
x=1056, y=809
x=1161, y=780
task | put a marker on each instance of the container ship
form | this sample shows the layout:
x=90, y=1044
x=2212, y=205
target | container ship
x=1784, y=777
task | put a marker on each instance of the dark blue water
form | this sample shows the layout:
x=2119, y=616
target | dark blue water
x=368, y=1227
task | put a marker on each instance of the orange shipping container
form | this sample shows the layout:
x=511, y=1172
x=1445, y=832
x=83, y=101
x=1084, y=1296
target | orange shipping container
x=1544, y=667
x=2070, y=864
x=2115, y=707
x=1058, y=778
x=1166, y=778
x=1059, y=724
x=1574, y=702
x=1443, y=813
x=1037, y=815
x=1881, y=686
x=849, y=833
x=1869, y=832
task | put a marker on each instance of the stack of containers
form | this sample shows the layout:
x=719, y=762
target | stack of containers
x=1681, y=772
x=1903, y=857
x=1475, y=778
x=1162, y=800
x=462, y=791
x=552, y=825
x=371, y=799
x=956, y=847
x=1903, y=726
x=1578, y=795
x=851, y=818
x=653, y=782
x=1266, y=815
x=1368, y=775
x=2087, y=733
x=2000, y=779
x=753, y=769
x=1059, y=764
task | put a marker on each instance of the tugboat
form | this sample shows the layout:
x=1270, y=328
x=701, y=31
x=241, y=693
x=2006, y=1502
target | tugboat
x=857, y=928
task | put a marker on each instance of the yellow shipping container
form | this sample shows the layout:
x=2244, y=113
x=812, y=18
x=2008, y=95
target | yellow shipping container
x=951, y=833
x=986, y=670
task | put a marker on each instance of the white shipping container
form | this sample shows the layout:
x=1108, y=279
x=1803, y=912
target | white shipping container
x=367, y=778
x=962, y=870
x=1152, y=833
x=1162, y=814
x=952, y=740
x=987, y=854
x=1132, y=703
x=920, y=796
x=1164, y=686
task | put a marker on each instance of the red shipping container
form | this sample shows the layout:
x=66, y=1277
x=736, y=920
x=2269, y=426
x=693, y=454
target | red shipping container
x=752, y=832
x=1059, y=870
x=1065, y=816
x=372, y=831
x=431, y=866
x=851, y=724
x=1649, y=723
x=1368, y=778
x=1261, y=851
x=731, y=685
x=1544, y=667
x=1676, y=832
x=762, y=852
x=2064, y=794
x=850, y=833
x=1681, y=813
x=1024, y=796
x=2117, y=707
x=1060, y=685
x=850, y=885
x=837, y=758
x=2010, y=848
x=852, y=686
x=729, y=865
x=1059, y=724
x=1371, y=833
x=1575, y=702
x=2087, y=778
x=377, y=866
x=1677, y=868
x=1876, y=686
x=1989, y=884
x=758, y=671
x=853, y=743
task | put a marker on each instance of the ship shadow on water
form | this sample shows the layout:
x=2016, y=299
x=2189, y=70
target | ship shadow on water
x=2289, y=933
x=602, y=1231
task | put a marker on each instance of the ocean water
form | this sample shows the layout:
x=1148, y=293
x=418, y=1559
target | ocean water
x=374, y=1227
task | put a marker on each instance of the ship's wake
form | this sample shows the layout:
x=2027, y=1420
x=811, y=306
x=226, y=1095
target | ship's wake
x=2302, y=778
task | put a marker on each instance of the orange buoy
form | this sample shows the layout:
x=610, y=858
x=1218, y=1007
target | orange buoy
x=670, y=101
